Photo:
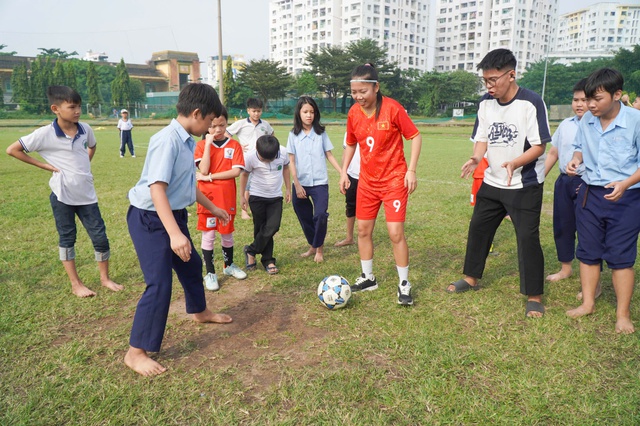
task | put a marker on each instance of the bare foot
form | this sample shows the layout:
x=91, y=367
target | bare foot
x=112, y=285
x=318, y=258
x=80, y=290
x=624, y=326
x=598, y=292
x=309, y=252
x=561, y=275
x=245, y=215
x=138, y=360
x=344, y=243
x=580, y=311
x=208, y=316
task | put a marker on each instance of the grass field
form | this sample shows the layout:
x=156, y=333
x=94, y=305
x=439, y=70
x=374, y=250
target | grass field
x=461, y=359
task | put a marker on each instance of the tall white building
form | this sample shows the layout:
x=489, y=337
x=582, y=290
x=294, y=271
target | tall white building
x=596, y=31
x=466, y=30
x=299, y=26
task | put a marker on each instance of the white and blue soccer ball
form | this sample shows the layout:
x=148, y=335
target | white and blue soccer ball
x=334, y=291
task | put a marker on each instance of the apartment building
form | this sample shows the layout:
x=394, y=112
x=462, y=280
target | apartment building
x=467, y=29
x=299, y=26
x=596, y=31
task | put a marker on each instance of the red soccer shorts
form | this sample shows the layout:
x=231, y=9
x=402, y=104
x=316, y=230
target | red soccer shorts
x=208, y=223
x=368, y=203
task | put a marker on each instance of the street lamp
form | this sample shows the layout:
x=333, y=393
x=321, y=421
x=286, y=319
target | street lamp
x=220, y=79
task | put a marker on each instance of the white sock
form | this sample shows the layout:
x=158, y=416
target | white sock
x=403, y=273
x=367, y=268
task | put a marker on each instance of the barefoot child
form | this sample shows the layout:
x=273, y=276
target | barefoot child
x=564, y=192
x=157, y=220
x=608, y=143
x=220, y=161
x=268, y=165
x=308, y=145
x=68, y=147
x=378, y=124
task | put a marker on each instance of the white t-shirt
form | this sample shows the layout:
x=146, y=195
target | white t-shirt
x=125, y=125
x=245, y=132
x=73, y=185
x=266, y=177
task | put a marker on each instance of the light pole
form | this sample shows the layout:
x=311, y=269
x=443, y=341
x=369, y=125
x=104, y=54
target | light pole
x=220, y=79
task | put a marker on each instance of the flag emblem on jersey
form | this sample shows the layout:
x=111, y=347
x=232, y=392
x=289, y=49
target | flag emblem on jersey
x=383, y=125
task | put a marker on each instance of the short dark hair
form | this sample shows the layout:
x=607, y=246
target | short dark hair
x=224, y=113
x=579, y=86
x=198, y=96
x=607, y=79
x=254, y=103
x=268, y=147
x=60, y=94
x=498, y=59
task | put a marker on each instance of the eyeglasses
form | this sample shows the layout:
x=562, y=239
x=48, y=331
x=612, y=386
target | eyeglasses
x=490, y=82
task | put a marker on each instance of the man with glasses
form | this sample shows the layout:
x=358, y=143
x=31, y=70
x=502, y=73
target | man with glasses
x=512, y=129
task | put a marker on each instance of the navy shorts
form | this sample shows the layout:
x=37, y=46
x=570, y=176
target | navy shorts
x=607, y=230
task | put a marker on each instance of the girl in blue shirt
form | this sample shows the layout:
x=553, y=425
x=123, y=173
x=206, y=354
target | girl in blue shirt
x=308, y=146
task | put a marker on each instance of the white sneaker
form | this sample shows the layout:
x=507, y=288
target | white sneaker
x=211, y=282
x=133, y=156
x=404, y=294
x=235, y=272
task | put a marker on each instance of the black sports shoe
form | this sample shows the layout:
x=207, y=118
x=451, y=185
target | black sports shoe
x=364, y=284
x=404, y=293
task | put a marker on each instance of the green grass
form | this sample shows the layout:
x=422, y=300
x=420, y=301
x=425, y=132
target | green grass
x=461, y=359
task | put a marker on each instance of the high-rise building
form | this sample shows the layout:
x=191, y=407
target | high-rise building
x=596, y=31
x=211, y=67
x=467, y=29
x=299, y=26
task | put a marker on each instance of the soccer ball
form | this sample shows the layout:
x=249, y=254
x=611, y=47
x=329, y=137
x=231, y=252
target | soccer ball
x=334, y=291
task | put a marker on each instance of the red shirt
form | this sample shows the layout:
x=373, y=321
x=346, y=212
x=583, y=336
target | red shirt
x=382, y=162
x=223, y=158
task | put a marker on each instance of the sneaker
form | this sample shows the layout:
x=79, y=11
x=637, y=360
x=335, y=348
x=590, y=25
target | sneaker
x=211, y=282
x=122, y=156
x=235, y=272
x=133, y=156
x=404, y=293
x=364, y=284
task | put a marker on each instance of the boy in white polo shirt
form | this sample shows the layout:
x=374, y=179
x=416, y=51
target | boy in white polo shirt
x=124, y=126
x=269, y=163
x=68, y=147
x=247, y=133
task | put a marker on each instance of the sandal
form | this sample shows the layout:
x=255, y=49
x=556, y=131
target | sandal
x=271, y=269
x=461, y=286
x=248, y=266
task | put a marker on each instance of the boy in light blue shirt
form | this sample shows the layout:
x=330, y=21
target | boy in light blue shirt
x=608, y=144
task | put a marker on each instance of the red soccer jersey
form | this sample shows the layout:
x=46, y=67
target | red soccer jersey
x=382, y=162
x=223, y=158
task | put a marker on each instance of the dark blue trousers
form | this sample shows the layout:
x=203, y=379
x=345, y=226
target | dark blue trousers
x=564, y=215
x=312, y=213
x=153, y=247
x=126, y=141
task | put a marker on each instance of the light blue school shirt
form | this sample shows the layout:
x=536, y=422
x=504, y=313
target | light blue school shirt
x=310, y=155
x=563, y=139
x=611, y=155
x=170, y=160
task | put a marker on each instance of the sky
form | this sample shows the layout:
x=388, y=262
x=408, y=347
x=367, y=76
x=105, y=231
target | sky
x=134, y=29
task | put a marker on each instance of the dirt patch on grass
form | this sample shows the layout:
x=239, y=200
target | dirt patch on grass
x=271, y=333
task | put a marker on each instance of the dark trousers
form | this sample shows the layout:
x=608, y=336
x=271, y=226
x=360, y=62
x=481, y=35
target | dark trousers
x=153, y=247
x=312, y=213
x=125, y=139
x=523, y=205
x=350, y=197
x=267, y=214
x=90, y=217
x=564, y=215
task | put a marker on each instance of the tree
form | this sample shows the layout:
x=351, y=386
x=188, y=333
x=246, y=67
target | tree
x=228, y=80
x=71, y=79
x=120, y=86
x=136, y=91
x=2, y=46
x=59, y=76
x=56, y=53
x=93, y=90
x=266, y=78
x=628, y=63
x=20, y=85
x=306, y=84
x=332, y=68
x=41, y=77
